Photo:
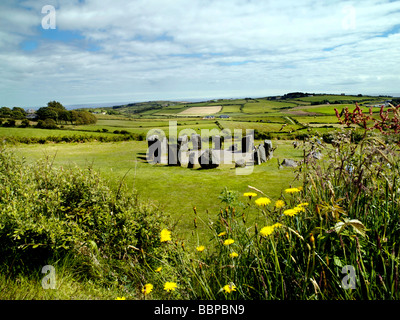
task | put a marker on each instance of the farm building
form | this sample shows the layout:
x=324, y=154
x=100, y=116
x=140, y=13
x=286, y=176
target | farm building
x=208, y=117
x=224, y=116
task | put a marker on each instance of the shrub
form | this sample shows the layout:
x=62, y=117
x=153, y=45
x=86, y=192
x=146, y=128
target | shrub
x=48, y=212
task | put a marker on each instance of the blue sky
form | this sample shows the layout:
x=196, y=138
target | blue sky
x=115, y=50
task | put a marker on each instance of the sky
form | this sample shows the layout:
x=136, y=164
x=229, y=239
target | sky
x=117, y=50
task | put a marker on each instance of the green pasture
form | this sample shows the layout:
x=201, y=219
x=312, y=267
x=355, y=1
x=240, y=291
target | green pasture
x=42, y=133
x=176, y=189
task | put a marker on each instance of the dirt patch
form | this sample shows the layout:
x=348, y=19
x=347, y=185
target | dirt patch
x=201, y=111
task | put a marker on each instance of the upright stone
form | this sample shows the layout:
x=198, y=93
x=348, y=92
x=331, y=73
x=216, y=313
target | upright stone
x=196, y=141
x=154, y=149
x=183, y=143
x=269, y=152
x=173, y=155
x=247, y=144
x=209, y=159
x=256, y=156
x=216, y=142
x=164, y=151
x=193, y=159
x=261, y=152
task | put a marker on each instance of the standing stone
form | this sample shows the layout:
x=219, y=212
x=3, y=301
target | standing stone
x=247, y=144
x=269, y=152
x=256, y=156
x=233, y=147
x=209, y=159
x=192, y=159
x=173, y=155
x=216, y=142
x=164, y=151
x=154, y=149
x=183, y=143
x=196, y=141
x=262, y=154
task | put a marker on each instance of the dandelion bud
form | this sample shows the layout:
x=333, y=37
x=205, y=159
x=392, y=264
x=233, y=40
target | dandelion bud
x=312, y=239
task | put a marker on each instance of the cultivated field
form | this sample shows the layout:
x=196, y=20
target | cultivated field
x=200, y=111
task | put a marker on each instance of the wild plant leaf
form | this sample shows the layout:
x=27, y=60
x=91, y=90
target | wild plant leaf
x=357, y=225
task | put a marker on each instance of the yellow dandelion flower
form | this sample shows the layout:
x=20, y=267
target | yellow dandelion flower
x=221, y=234
x=158, y=269
x=250, y=194
x=279, y=204
x=277, y=225
x=165, y=235
x=120, y=298
x=292, y=190
x=299, y=209
x=262, y=201
x=303, y=204
x=229, y=288
x=200, y=248
x=233, y=255
x=290, y=212
x=170, y=286
x=227, y=242
x=147, y=288
x=266, y=231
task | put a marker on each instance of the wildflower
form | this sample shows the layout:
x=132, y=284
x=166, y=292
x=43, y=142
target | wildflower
x=147, y=288
x=165, y=235
x=303, y=204
x=120, y=298
x=158, y=269
x=299, y=209
x=229, y=288
x=250, y=194
x=279, y=204
x=277, y=225
x=233, y=255
x=312, y=238
x=292, y=190
x=221, y=234
x=262, y=201
x=290, y=212
x=227, y=242
x=200, y=248
x=266, y=231
x=170, y=286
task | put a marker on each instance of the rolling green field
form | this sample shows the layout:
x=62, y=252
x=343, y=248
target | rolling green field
x=185, y=188
x=128, y=252
x=177, y=189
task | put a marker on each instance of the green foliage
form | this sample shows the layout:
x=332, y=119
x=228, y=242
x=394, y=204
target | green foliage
x=48, y=213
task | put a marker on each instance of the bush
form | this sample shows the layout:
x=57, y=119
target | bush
x=46, y=124
x=25, y=123
x=9, y=123
x=48, y=212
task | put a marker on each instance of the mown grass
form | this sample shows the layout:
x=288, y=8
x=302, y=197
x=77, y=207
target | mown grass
x=177, y=189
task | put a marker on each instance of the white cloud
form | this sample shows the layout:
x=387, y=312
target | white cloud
x=152, y=49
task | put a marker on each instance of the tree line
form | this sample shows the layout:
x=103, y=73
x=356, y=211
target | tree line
x=55, y=113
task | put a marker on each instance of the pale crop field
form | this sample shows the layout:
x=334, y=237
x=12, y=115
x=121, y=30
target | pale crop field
x=201, y=111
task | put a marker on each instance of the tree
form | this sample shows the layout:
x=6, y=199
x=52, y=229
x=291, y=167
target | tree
x=55, y=105
x=47, y=113
x=5, y=112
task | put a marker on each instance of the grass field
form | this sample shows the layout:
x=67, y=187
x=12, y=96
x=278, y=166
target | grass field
x=184, y=188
